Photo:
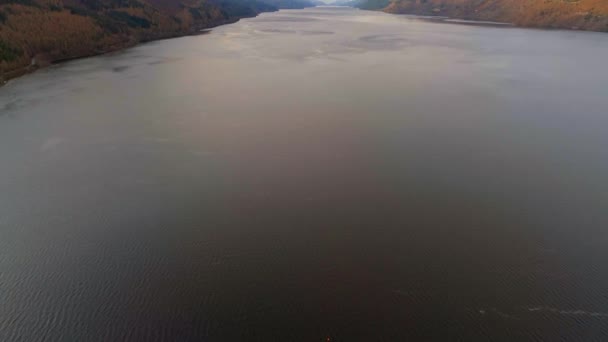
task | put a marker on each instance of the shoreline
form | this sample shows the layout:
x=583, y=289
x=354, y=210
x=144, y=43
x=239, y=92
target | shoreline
x=475, y=22
x=469, y=20
x=485, y=23
x=7, y=76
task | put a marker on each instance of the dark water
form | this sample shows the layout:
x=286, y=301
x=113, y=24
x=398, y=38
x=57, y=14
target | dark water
x=314, y=174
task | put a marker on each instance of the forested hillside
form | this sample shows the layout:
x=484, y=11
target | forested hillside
x=34, y=33
x=569, y=14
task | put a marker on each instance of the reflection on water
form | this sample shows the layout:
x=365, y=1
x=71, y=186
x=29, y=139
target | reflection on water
x=310, y=174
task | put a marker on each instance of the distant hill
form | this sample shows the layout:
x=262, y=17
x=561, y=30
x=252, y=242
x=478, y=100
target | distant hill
x=363, y=4
x=291, y=4
x=568, y=14
x=34, y=33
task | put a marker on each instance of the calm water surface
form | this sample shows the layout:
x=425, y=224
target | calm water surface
x=313, y=174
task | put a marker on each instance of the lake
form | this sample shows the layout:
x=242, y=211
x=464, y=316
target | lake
x=326, y=174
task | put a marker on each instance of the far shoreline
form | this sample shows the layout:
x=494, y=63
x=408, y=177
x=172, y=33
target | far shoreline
x=38, y=65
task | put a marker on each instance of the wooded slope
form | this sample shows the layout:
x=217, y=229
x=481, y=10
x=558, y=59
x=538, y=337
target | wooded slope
x=569, y=14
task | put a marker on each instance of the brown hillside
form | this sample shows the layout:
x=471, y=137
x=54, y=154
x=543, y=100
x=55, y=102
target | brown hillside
x=570, y=14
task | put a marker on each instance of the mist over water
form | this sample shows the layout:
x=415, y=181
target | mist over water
x=311, y=174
